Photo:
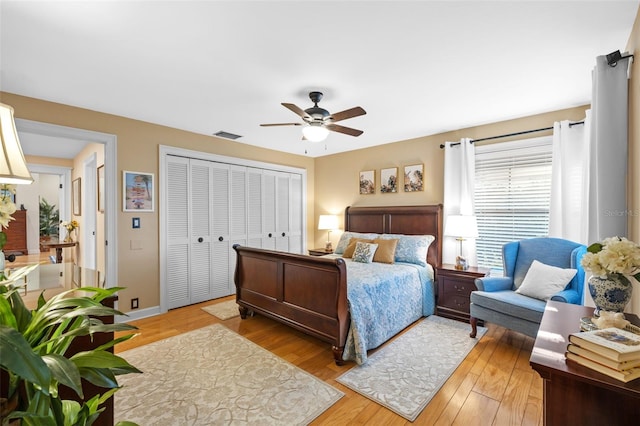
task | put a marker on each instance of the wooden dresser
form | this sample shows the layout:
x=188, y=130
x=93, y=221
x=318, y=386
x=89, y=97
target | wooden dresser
x=17, y=234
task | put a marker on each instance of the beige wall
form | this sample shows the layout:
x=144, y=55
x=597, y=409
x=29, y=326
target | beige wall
x=337, y=175
x=137, y=147
x=633, y=46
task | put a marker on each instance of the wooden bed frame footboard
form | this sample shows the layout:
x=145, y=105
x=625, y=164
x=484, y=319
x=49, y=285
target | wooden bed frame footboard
x=310, y=293
x=286, y=287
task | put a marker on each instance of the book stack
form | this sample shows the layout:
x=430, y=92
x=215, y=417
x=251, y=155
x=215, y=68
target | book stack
x=611, y=351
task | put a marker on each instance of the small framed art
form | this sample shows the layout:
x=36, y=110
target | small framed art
x=368, y=182
x=413, y=178
x=76, y=197
x=137, y=192
x=389, y=180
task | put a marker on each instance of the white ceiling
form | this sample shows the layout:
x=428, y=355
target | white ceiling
x=417, y=67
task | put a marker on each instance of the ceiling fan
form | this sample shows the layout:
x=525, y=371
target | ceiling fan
x=318, y=121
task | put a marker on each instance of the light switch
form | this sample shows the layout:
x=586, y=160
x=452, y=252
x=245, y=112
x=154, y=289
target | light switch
x=135, y=222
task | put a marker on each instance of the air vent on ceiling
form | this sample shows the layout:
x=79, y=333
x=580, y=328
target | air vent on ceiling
x=226, y=135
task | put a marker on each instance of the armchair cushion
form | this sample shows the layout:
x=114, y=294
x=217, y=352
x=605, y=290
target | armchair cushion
x=543, y=281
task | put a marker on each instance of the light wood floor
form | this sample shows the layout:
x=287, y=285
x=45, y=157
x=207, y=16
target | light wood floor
x=494, y=385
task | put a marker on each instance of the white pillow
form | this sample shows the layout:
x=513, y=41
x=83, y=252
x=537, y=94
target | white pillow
x=364, y=252
x=543, y=281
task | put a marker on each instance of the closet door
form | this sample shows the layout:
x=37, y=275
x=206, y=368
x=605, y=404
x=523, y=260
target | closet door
x=269, y=210
x=221, y=226
x=295, y=213
x=238, y=214
x=178, y=233
x=201, y=193
x=255, y=208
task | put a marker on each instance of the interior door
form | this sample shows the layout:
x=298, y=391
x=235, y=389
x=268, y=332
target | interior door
x=178, y=250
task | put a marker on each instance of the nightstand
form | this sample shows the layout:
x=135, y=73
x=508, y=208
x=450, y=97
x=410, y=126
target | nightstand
x=319, y=252
x=454, y=289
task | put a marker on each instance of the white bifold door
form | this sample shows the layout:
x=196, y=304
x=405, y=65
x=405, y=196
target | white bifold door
x=211, y=207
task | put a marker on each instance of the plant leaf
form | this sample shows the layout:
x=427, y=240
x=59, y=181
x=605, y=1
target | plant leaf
x=17, y=357
x=594, y=248
x=64, y=371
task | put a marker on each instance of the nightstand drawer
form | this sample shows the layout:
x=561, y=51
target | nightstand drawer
x=458, y=287
x=459, y=303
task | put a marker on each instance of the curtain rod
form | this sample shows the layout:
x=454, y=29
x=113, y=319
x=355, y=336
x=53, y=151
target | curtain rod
x=514, y=134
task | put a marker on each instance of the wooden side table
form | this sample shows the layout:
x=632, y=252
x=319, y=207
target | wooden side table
x=454, y=289
x=319, y=252
x=58, y=245
x=574, y=394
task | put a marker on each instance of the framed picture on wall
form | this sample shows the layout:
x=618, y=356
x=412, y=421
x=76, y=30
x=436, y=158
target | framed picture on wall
x=100, y=182
x=137, y=191
x=368, y=182
x=389, y=180
x=75, y=197
x=414, y=178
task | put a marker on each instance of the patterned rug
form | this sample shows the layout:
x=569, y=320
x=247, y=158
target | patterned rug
x=406, y=373
x=215, y=376
x=223, y=310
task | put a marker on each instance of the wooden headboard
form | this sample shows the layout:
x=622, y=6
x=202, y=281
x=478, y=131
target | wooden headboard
x=409, y=220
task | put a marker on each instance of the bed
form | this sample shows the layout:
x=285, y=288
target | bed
x=310, y=293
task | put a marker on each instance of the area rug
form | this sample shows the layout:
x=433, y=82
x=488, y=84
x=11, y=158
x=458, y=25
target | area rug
x=223, y=310
x=407, y=372
x=214, y=376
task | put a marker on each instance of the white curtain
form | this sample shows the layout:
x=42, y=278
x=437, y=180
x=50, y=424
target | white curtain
x=459, y=176
x=569, y=190
x=607, y=213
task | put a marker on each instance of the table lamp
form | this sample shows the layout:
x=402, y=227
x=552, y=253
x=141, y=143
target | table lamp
x=461, y=227
x=328, y=222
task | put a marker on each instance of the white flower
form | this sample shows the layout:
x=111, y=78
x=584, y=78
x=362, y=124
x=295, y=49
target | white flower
x=7, y=207
x=613, y=255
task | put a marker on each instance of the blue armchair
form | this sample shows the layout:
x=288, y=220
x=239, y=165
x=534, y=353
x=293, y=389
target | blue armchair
x=496, y=299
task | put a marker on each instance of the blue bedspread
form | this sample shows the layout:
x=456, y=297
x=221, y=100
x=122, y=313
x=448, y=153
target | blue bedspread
x=383, y=300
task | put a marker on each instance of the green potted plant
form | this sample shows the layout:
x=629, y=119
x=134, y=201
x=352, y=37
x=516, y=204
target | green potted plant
x=49, y=219
x=32, y=354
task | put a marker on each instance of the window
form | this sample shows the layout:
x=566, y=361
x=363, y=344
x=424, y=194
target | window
x=512, y=195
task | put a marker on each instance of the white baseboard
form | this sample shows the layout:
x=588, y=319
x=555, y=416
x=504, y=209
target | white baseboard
x=138, y=314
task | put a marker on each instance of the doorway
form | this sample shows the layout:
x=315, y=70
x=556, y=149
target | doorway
x=110, y=184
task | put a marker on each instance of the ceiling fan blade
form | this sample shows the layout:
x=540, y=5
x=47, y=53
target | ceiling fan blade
x=281, y=124
x=348, y=113
x=297, y=110
x=342, y=129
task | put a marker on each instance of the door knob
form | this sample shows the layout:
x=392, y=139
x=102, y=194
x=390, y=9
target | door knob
x=200, y=239
x=220, y=239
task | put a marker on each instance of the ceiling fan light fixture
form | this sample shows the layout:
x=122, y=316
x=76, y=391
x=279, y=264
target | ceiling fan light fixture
x=315, y=132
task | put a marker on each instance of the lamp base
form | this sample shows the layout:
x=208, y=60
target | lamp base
x=461, y=263
x=328, y=246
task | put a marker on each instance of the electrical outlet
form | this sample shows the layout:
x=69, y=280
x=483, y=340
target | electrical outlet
x=134, y=303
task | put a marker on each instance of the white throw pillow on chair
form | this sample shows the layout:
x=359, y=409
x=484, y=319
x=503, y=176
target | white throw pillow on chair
x=543, y=281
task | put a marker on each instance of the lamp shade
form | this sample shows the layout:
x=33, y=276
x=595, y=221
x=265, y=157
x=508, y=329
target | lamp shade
x=461, y=226
x=315, y=132
x=13, y=167
x=328, y=221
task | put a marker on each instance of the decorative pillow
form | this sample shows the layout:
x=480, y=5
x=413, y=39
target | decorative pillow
x=364, y=252
x=351, y=247
x=411, y=248
x=347, y=236
x=386, y=251
x=543, y=281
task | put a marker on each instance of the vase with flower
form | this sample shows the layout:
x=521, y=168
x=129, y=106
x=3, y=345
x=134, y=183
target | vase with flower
x=7, y=208
x=70, y=226
x=612, y=262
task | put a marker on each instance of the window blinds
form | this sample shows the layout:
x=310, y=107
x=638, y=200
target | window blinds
x=512, y=195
